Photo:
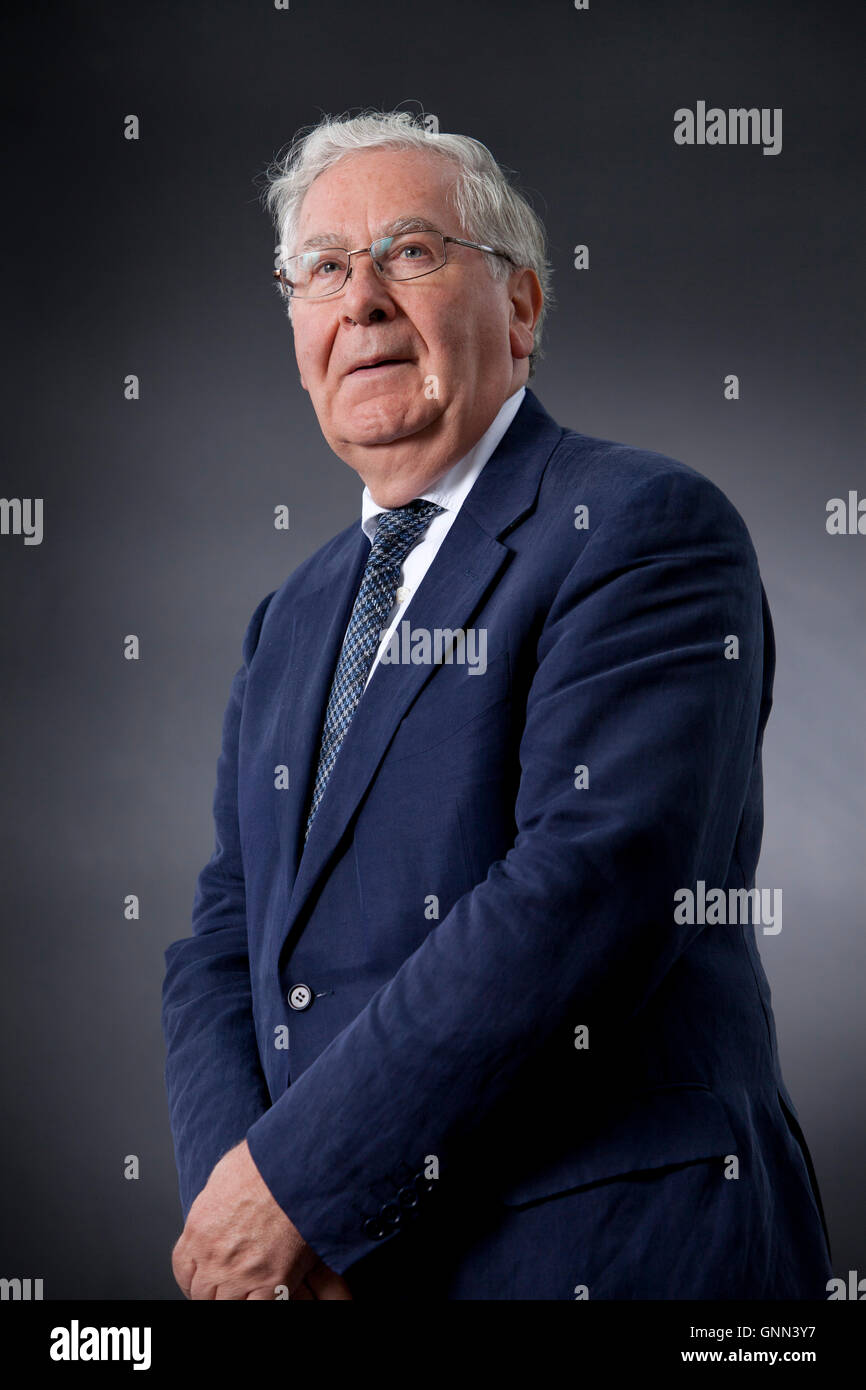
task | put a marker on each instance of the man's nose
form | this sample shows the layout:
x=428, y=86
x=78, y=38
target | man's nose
x=365, y=290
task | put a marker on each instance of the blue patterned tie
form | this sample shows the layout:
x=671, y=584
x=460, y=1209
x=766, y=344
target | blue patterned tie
x=397, y=531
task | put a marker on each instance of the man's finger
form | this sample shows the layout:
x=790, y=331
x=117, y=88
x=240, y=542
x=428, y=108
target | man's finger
x=183, y=1268
x=203, y=1288
x=325, y=1283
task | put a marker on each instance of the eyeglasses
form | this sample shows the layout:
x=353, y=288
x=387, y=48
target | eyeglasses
x=406, y=256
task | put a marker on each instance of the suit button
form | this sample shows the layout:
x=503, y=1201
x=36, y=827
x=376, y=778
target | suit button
x=424, y=1186
x=373, y=1228
x=407, y=1197
x=391, y=1215
x=300, y=997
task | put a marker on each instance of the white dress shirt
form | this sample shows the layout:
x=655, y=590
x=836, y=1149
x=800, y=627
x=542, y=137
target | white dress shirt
x=450, y=492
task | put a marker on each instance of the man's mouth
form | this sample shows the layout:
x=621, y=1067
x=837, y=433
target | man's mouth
x=383, y=364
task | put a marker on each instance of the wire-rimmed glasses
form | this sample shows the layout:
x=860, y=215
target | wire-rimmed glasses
x=404, y=256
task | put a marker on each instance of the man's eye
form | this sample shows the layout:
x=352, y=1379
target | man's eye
x=328, y=266
x=420, y=250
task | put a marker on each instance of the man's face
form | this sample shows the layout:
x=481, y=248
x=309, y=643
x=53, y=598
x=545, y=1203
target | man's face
x=463, y=339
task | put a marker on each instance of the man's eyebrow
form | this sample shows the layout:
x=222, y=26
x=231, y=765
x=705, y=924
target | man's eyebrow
x=400, y=224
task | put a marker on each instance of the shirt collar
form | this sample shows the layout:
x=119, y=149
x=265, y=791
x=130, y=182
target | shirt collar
x=451, y=490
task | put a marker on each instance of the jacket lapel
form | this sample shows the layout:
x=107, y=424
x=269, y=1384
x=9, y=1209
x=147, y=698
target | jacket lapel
x=320, y=618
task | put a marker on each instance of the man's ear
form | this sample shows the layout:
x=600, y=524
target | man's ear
x=526, y=301
x=304, y=385
x=301, y=374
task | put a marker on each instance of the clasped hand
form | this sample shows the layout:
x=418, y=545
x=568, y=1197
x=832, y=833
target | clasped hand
x=238, y=1242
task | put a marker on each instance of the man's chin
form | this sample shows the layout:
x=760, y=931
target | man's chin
x=384, y=420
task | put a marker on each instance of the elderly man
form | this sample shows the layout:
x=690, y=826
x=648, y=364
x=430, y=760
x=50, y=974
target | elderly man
x=446, y=1026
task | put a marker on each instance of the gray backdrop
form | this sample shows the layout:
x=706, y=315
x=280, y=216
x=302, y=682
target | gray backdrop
x=154, y=257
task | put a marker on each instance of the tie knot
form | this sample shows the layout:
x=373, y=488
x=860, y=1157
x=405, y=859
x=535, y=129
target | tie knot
x=400, y=528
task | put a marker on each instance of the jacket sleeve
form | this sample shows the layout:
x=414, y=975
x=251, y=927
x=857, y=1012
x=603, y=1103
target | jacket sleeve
x=633, y=682
x=215, y=1084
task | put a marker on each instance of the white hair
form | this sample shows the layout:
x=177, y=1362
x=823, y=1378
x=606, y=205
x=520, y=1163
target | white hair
x=488, y=207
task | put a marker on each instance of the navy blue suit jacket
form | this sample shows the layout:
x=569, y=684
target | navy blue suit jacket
x=436, y=1123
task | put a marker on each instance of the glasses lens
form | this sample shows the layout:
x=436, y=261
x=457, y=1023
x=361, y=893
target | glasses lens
x=314, y=273
x=409, y=254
